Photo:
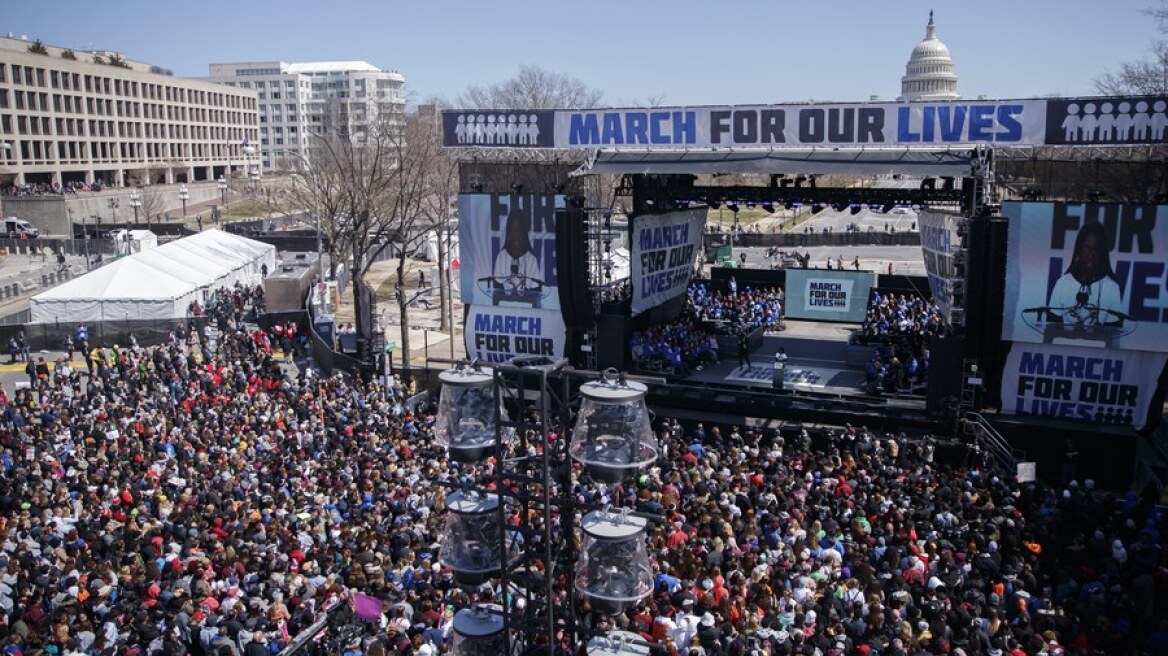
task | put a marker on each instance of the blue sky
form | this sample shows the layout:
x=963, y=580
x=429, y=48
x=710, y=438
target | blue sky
x=676, y=53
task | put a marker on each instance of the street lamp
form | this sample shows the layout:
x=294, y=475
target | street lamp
x=223, y=189
x=135, y=202
x=315, y=214
x=253, y=171
x=184, y=196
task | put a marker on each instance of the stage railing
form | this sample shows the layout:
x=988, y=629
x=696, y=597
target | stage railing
x=991, y=441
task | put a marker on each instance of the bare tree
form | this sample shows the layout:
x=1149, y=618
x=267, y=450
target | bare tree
x=153, y=202
x=437, y=210
x=536, y=88
x=373, y=190
x=1144, y=76
x=532, y=88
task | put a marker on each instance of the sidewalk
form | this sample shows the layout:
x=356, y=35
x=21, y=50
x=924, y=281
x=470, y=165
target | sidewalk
x=425, y=338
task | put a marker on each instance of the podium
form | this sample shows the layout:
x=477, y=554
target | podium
x=779, y=371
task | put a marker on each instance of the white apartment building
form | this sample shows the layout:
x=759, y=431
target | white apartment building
x=323, y=98
x=79, y=117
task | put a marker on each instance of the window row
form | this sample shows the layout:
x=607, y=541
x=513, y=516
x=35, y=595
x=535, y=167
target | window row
x=55, y=79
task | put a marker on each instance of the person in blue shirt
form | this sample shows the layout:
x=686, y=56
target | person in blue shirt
x=697, y=449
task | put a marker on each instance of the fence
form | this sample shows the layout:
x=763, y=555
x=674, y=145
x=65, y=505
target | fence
x=808, y=240
x=328, y=358
x=51, y=336
x=101, y=232
x=47, y=246
x=148, y=332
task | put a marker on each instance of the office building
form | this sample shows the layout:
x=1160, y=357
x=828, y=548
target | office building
x=72, y=118
x=296, y=101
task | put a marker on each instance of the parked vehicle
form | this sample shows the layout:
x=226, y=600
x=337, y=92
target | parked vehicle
x=16, y=228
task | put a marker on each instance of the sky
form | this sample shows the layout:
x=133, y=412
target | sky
x=636, y=52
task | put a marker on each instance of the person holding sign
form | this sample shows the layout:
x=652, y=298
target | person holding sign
x=1088, y=295
x=517, y=270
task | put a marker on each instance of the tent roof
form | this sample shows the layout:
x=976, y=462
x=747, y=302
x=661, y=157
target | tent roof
x=216, y=245
x=126, y=278
x=183, y=265
x=170, y=271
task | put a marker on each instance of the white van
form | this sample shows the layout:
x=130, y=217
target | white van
x=14, y=228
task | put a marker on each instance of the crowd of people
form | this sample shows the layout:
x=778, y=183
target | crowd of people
x=852, y=543
x=896, y=317
x=676, y=347
x=227, y=307
x=53, y=188
x=690, y=342
x=193, y=497
x=899, y=325
x=200, y=497
x=733, y=311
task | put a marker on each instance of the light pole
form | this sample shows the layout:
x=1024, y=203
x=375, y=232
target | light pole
x=114, y=204
x=135, y=202
x=253, y=172
x=184, y=196
x=223, y=189
x=315, y=214
x=6, y=148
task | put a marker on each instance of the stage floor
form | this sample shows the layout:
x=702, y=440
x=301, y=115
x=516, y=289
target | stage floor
x=817, y=361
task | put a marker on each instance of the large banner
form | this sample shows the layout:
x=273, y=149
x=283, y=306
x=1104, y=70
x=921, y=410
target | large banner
x=1035, y=122
x=822, y=295
x=497, y=334
x=1111, y=387
x=507, y=249
x=664, y=251
x=1087, y=275
x=939, y=242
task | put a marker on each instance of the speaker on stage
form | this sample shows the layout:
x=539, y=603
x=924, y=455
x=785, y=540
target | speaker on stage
x=572, y=265
x=946, y=355
x=611, y=329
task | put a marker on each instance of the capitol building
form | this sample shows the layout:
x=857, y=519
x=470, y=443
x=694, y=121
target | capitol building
x=929, y=72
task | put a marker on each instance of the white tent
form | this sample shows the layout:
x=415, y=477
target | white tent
x=135, y=241
x=159, y=283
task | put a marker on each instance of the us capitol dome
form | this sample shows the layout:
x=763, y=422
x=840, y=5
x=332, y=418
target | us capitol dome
x=929, y=73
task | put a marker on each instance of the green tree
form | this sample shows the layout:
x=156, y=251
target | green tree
x=68, y=54
x=117, y=60
x=1144, y=76
x=38, y=47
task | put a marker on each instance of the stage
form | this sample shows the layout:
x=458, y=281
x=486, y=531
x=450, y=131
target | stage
x=823, y=384
x=819, y=359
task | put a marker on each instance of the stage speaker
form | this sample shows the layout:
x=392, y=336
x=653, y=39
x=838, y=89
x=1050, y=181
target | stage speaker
x=611, y=331
x=946, y=355
x=951, y=453
x=572, y=267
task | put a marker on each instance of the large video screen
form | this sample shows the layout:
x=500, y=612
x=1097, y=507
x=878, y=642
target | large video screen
x=507, y=250
x=1089, y=275
x=822, y=295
